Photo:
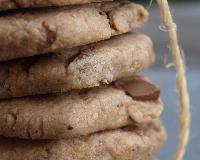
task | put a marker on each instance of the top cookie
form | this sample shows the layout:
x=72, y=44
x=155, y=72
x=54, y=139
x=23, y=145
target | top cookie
x=50, y=30
x=13, y=4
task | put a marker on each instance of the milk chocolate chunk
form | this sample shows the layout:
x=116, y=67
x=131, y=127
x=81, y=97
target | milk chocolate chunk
x=139, y=89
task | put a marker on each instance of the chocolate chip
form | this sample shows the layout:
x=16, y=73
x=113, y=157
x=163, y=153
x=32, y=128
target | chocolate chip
x=70, y=127
x=139, y=89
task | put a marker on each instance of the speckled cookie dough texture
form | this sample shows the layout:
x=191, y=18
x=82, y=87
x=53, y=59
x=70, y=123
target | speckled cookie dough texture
x=50, y=30
x=16, y=4
x=75, y=113
x=130, y=143
x=82, y=67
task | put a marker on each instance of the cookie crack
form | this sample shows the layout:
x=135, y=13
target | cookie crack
x=48, y=153
x=79, y=55
x=41, y=128
x=28, y=132
x=51, y=35
x=70, y=60
x=35, y=133
x=14, y=118
x=107, y=14
x=109, y=11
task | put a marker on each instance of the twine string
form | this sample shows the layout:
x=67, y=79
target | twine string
x=184, y=103
x=166, y=28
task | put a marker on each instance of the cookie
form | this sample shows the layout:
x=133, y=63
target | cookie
x=78, y=112
x=83, y=67
x=50, y=30
x=14, y=4
x=130, y=143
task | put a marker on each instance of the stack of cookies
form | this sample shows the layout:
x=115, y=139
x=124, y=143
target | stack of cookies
x=68, y=84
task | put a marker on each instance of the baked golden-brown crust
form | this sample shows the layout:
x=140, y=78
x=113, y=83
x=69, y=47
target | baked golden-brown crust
x=50, y=30
x=14, y=4
x=74, y=113
x=131, y=143
x=84, y=67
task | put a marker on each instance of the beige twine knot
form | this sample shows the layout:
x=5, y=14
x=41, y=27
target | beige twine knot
x=184, y=114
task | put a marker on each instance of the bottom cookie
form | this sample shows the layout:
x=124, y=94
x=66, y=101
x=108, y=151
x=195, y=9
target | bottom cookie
x=129, y=143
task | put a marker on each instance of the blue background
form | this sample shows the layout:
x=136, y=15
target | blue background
x=187, y=17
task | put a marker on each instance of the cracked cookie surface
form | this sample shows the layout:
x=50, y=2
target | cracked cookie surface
x=129, y=143
x=74, y=113
x=83, y=67
x=50, y=30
